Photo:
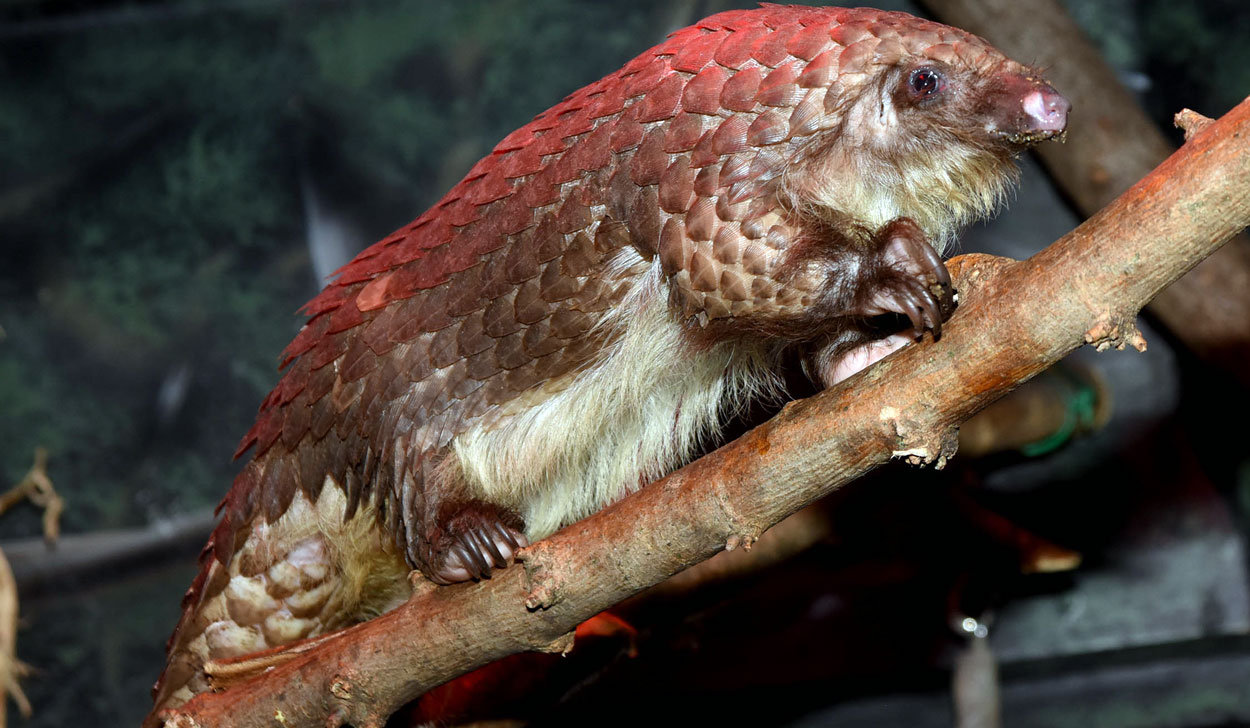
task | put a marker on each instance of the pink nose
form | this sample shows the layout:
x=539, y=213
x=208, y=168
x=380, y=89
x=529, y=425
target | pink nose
x=1047, y=109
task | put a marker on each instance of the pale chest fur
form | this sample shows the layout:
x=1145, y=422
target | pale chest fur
x=641, y=410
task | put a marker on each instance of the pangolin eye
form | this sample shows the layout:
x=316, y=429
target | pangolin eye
x=926, y=83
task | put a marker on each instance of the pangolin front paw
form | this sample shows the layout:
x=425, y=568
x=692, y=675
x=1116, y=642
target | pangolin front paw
x=911, y=280
x=475, y=542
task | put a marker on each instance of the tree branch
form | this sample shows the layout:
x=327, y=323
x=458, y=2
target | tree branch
x=88, y=555
x=1015, y=320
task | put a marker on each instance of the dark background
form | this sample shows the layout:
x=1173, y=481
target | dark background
x=178, y=177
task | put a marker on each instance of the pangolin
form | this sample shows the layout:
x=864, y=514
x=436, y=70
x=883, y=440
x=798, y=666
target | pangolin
x=587, y=306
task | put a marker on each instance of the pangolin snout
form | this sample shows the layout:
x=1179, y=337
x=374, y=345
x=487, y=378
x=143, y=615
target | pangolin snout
x=1047, y=110
x=1024, y=109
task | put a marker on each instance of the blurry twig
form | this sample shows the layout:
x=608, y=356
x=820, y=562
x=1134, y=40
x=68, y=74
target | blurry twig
x=10, y=667
x=974, y=681
x=36, y=487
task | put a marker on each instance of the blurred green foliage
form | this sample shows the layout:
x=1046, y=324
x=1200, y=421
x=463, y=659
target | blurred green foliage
x=152, y=201
x=1192, y=55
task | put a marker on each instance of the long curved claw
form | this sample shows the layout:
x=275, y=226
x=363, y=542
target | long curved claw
x=475, y=543
x=912, y=281
x=488, y=548
x=515, y=540
x=471, y=559
x=931, y=308
x=908, y=301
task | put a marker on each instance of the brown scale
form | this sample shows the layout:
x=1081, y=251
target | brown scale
x=691, y=154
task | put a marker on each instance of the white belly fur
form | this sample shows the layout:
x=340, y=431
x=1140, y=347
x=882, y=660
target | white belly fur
x=635, y=415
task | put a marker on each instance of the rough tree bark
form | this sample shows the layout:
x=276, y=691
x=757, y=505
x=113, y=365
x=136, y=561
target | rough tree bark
x=1016, y=319
x=1111, y=144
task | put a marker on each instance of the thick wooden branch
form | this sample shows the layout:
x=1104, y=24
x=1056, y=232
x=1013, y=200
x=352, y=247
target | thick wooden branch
x=1111, y=144
x=1016, y=319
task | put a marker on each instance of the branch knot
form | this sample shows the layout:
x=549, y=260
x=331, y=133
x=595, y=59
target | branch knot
x=543, y=585
x=1115, y=329
x=917, y=445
